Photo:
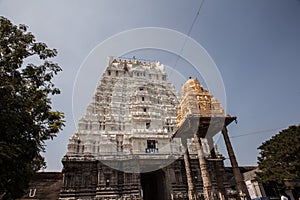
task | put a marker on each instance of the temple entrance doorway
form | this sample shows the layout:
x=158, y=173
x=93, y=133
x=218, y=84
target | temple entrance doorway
x=154, y=185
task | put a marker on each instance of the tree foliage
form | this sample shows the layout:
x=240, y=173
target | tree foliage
x=26, y=116
x=279, y=158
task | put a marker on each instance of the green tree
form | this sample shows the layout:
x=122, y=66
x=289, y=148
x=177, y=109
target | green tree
x=26, y=116
x=279, y=158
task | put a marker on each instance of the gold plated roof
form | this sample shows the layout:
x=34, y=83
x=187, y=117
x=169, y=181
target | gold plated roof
x=197, y=100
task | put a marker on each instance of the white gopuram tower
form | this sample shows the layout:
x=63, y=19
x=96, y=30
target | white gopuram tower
x=133, y=112
x=126, y=128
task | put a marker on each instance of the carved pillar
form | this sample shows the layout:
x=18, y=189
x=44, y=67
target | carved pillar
x=240, y=184
x=190, y=182
x=219, y=175
x=207, y=186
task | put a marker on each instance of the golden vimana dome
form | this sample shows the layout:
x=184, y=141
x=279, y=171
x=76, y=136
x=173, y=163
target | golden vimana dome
x=197, y=100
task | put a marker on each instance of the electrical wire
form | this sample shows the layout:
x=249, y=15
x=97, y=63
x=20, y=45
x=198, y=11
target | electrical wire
x=189, y=32
x=257, y=132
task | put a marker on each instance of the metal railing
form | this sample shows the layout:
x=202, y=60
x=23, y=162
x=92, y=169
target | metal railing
x=151, y=150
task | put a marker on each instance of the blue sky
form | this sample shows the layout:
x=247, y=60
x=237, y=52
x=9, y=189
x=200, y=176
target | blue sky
x=255, y=45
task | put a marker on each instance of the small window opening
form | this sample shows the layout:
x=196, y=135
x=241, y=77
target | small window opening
x=147, y=125
x=107, y=182
x=151, y=144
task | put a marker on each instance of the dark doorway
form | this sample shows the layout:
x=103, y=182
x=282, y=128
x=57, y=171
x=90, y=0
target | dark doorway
x=154, y=185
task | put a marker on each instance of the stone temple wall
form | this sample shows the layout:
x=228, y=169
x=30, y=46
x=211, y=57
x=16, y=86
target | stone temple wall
x=94, y=180
x=44, y=185
x=47, y=185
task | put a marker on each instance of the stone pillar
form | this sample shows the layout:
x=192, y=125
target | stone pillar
x=240, y=184
x=207, y=186
x=218, y=173
x=190, y=182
